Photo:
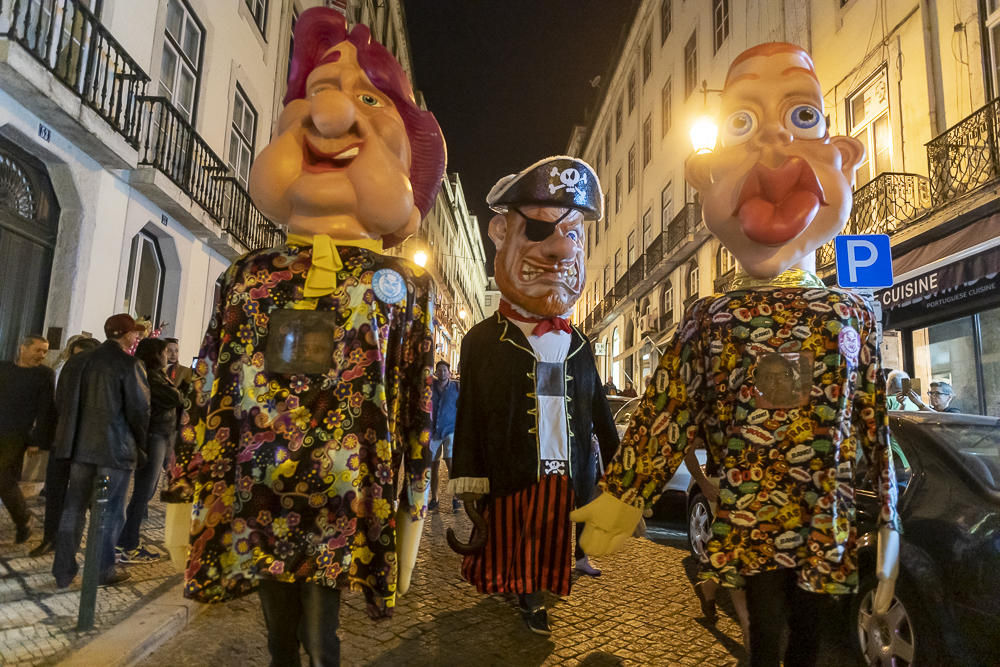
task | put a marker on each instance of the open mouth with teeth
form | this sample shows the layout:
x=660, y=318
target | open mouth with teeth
x=552, y=274
x=316, y=161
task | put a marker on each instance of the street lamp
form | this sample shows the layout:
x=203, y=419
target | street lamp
x=420, y=258
x=704, y=134
x=462, y=313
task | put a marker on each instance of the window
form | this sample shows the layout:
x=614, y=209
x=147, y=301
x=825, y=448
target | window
x=647, y=58
x=607, y=278
x=667, y=300
x=694, y=280
x=291, y=47
x=616, y=345
x=665, y=21
x=144, y=285
x=607, y=146
x=869, y=119
x=597, y=231
x=631, y=92
x=489, y=300
x=691, y=65
x=666, y=207
x=665, y=99
x=618, y=121
x=618, y=264
x=589, y=239
x=647, y=140
x=631, y=248
x=631, y=168
x=607, y=197
x=725, y=262
x=720, y=22
x=179, y=67
x=618, y=191
x=647, y=228
x=258, y=8
x=241, y=137
x=992, y=58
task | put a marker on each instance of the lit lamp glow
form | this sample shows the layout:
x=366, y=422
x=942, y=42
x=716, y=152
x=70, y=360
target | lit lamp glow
x=420, y=258
x=462, y=313
x=704, y=134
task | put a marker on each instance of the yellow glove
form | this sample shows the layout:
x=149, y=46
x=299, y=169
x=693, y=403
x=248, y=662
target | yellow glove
x=408, y=534
x=610, y=522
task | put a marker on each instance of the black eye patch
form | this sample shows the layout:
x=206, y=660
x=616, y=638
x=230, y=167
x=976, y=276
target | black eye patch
x=539, y=230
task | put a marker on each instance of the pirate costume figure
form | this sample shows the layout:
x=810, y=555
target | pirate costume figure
x=531, y=396
x=781, y=374
x=312, y=389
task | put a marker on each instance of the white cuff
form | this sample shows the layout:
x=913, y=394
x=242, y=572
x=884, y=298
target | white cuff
x=480, y=485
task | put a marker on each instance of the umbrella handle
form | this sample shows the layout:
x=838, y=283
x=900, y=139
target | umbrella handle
x=477, y=540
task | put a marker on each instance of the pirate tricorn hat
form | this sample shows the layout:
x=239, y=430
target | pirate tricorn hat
x=555, y=181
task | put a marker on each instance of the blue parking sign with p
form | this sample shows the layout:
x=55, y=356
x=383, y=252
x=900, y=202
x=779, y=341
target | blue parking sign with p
x=864, y=261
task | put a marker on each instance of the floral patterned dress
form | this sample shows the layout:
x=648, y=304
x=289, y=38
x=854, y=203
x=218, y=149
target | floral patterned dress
x=300, y=411
x=784, y=384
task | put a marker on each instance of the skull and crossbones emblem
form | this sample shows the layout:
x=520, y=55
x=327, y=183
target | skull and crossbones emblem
x=568, y=178
x=555, y=467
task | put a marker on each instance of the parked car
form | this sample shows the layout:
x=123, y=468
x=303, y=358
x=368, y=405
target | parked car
x=679, y=484
x=947, y=597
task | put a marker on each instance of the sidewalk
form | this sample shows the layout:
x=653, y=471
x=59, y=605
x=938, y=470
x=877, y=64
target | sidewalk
x=38, y=622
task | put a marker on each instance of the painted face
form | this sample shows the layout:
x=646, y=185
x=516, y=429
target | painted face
x=780, y=185
x=339, y=162
x=34, y=354
x=543, y=276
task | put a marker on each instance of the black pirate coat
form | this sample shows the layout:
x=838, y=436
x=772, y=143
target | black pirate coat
x=496, y=435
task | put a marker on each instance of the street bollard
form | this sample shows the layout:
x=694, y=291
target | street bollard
x=92, y=557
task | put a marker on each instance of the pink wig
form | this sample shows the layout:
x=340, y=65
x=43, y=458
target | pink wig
x=320, y=29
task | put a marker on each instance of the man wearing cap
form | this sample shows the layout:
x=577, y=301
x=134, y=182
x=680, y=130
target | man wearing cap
x=103, y=400
x=531, y=395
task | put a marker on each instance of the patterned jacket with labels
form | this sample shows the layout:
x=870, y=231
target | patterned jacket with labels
x=785, y=385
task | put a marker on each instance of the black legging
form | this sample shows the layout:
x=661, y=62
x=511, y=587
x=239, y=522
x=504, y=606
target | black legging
x=774, y=599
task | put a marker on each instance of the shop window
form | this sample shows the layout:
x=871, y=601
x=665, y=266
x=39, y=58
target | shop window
x=869, y=120
x=144, y=284
x=691, y=65
x=947, y=352
x=181, y=60
x=666, y=20
x=241, y=136
x=720, y=22
x=258, y=9
x=665, y=98
x=666, y=207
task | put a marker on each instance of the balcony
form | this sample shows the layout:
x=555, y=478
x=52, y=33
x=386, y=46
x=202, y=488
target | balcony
x=64, y=66
x=965, y=156
x=888, y=205
x=183, y=175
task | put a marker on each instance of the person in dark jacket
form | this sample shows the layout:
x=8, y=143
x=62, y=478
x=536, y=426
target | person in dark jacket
x=103, y=400
x=444, y=399
x=26, y=388
x=57, y=470
x=165, y=399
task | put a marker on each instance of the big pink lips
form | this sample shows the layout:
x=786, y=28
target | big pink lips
x=316, y=161
x=776, y=205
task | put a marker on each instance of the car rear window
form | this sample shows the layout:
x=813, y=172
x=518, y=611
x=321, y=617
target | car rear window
x=977, y=447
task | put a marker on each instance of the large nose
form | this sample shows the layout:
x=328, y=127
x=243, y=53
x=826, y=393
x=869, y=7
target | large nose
x=559, y=247
x=333, y=112
x=773, y=141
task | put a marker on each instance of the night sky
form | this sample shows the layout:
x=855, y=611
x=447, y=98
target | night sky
x=508, y=80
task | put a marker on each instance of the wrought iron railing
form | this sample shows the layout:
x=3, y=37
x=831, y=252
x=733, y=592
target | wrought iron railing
x=965, y=156
x=887, y=204
x=78, y=50
x=654, y=253
x=683, y=224
x=169, y=143
x=635, y=274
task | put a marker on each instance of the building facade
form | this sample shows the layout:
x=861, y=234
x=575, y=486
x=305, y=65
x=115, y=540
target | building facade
x=127, y=131
x=917, y=88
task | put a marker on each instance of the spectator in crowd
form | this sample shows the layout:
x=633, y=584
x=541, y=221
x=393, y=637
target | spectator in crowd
x=26, y=416
x=57, y=470
x=176, y=372
x=103, y=416
x=629, y=390
x=895, y=397
x=164, y=400
x=444, y=397
x=941, y=395
x=610, y=389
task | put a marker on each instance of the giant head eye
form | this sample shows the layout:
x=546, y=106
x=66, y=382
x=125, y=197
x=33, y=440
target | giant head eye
x=740, y=126
x=370, y=100
x=574, y=235
x=806, y=122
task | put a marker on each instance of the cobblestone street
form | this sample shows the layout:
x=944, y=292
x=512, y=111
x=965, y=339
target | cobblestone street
x=642, y=611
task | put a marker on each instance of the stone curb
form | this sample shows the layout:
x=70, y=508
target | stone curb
x=130, y=642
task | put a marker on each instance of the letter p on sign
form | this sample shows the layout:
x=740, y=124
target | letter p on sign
x=864, y=261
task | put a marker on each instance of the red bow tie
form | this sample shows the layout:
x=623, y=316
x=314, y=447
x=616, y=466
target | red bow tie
x=543, y=325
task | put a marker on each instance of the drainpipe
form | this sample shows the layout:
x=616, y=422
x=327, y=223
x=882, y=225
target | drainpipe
x=932, y=59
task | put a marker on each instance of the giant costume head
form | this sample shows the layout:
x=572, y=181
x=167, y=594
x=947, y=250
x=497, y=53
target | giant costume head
x=353, y=156
x=779, y=187
x=539, y=233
